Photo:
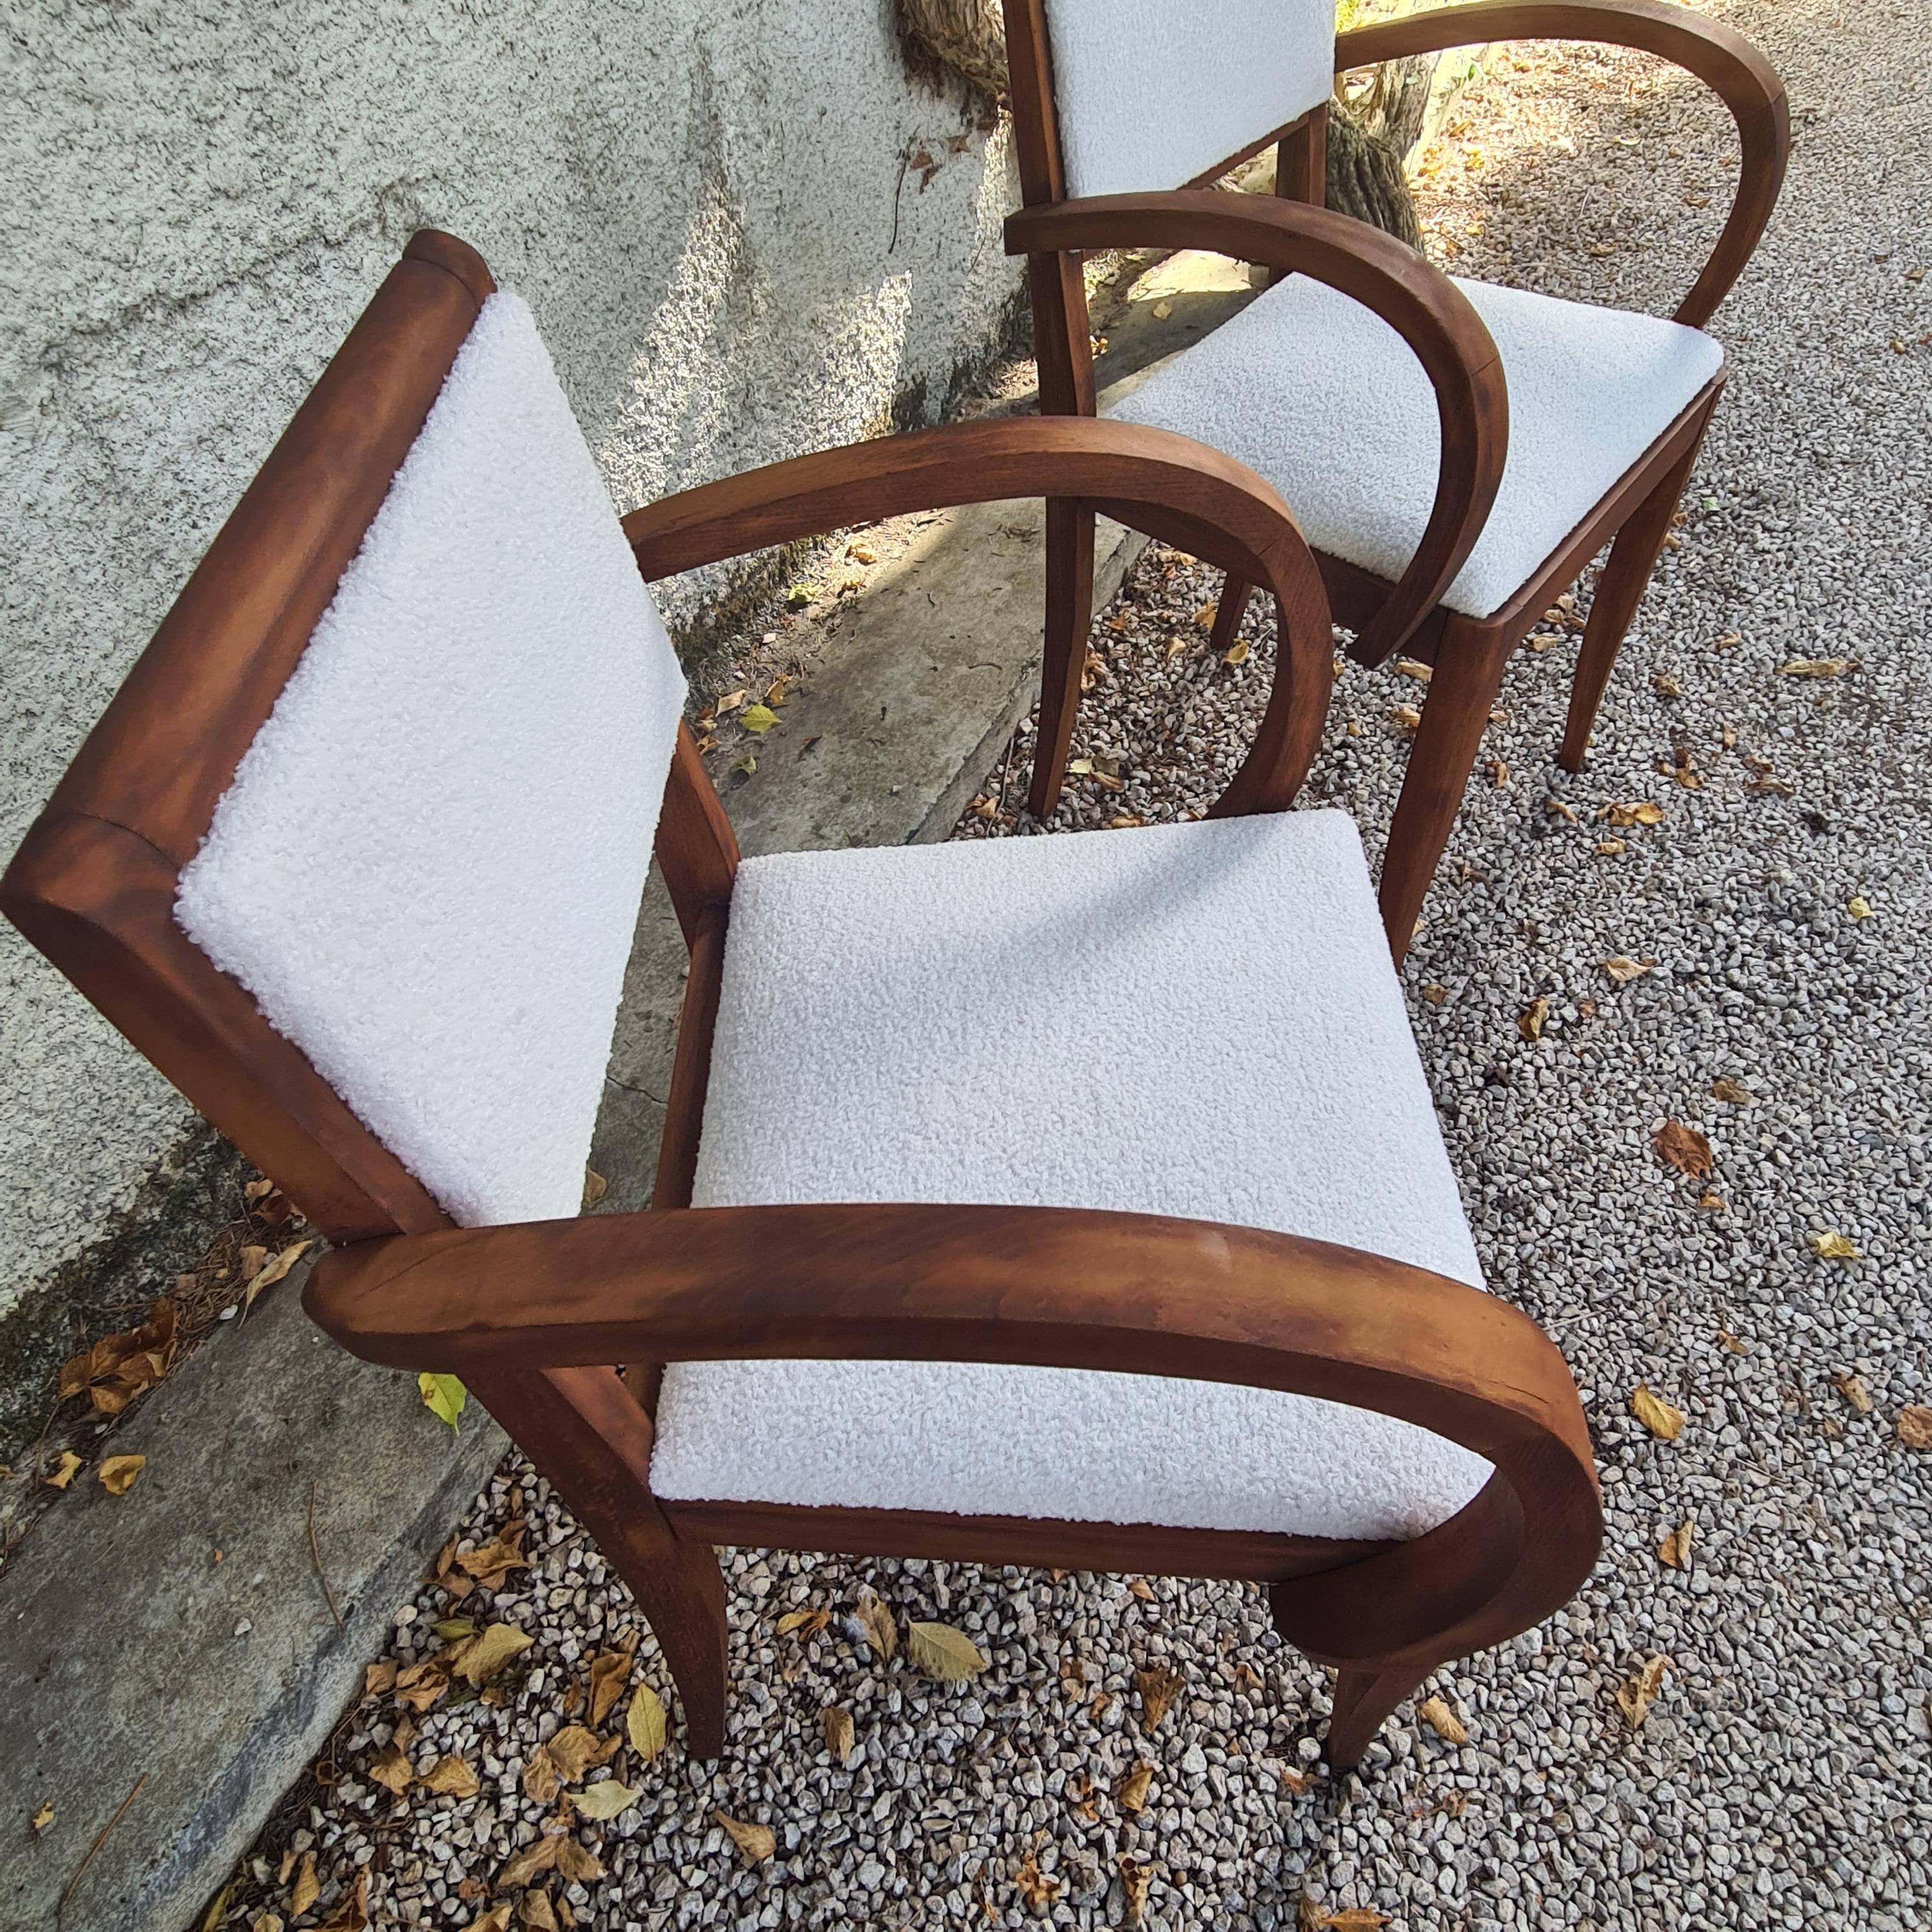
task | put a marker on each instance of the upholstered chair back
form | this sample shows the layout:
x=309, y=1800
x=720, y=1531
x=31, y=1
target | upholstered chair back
x=426, y=870
x=1152, y=93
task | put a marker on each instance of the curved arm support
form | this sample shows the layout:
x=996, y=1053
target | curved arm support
x=1060, y=1288
x=1421, y=303
x=1180, y=491
x=1720, y=56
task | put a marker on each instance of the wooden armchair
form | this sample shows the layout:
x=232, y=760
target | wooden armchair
x=1560, y=427
x=1150, y=1261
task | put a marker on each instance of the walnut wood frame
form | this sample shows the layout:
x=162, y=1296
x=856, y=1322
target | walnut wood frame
x=1293, y=234
x=534, y=1316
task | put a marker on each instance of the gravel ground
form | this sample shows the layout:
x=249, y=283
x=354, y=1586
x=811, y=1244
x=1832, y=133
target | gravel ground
x=1783, y=1778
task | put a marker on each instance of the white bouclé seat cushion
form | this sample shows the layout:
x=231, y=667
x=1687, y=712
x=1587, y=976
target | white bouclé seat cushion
x=426, y=870
x=1199, y=1020
x=1151, y=93
x=1327, y=401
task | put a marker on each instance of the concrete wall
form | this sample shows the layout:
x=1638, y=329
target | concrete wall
x=706, y=204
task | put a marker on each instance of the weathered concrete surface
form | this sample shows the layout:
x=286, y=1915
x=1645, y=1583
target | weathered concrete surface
x=128, y=1652
x=710, y=209
x=884, y=745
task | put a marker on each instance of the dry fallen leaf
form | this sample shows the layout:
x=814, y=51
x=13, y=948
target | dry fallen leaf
x=1134, y=1882
x=44, y=1817
x=1356, y=1918
x=610, y=1672
x=535, y=1913
x=1640, y=812
x=450, y=1777
x=1726, y=1089
x=308, y=1888
x=117, y=1473
x=118, y=1368
x=1608, y=848
x=1435, y=993
x=1852, y=1388
x=1828, y=1245
x=1132, y=1792
x=1675, y=1549
x=943, y=1652
x=840, y=1734
x=497, y=1919
x=1407, y=719
x=1817, y=667
x=491, y=1651
x=497, y=1558
x=644, y=1724
x=1529, y=1021
x=1037, y=1891
x=606, y=1800
x=530, y=1862
x=1664, y=1422
x=272, y=1272
x=1635, y=1697
x=421, y=1685
x=1623, y=971
x=1414, y=667
x=807, y=1623
x=882, y=1633
x=1857, y=907
x=1436, y=1713
x=1665, y=684
x=595, y=1188
x=1685, y=1149
x=1915, y=1426
x=353, y=1916
x=392, y=1770
x=540, y=1781
x=63, y=1472
x=575, y=1751
x=1237, y=652
x=1158, y=1688
x=755, y=1843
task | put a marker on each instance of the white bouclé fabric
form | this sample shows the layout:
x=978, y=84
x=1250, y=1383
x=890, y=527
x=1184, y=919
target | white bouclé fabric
x=1199, y=1020
x=1151, y=93
x=427, y=869
x=1327, y=401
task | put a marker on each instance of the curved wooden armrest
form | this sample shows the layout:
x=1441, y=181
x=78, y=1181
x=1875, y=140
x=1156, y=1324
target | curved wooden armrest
x=1193, y=496
x=1058, y=1287
x=1720, y=56
x=1421, y=303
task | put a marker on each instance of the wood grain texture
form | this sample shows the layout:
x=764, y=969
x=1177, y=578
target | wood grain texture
x=1717, y=55
x=1069, y=617
x=1061, y=1288
x=1430, y=314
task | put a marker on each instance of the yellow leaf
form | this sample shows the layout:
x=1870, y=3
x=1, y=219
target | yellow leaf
x=1411, y=668
x=491, y=1651
x=540, y=1781
x=1237, y=652
x=1436, y=1713
x=941, y=1651
x=117, y=1473
x=449, y=1777
x=495, y=1560
x=1608, y=848
x=644, y=1724
x=531, y=1861
x=1656, y=1415
x=1132, y=1793
x=1685, y=1149
x=497, y=1919
x=759, y=718
x=1858, y=908
x=1407, y=718
x=64, y=1471
x=453, y=1630
x=1036, y=1890
x=861, y=553
x=1830, y=1246
x=610, y=1672
x=44, y=1817
x=1529, y=1021
x=840, y=1733
x=755, y=1843
x=307, y=1887
x=1642, y=812
x=1635, y=1697
x=1158, y=1688
x=1206, y=615
x=1675, y=1549
x=392, y=1770
x=443, y=1395
x=1915, y=1426
x=353, y=1916
x=1355, y=1918
x=810, y=1622
x=1623, y=971
x=1852, y=1388
x=595, y=1188
x=1557, y=809
x=605, y=1800
x=1176, y=646
x=1817, y=667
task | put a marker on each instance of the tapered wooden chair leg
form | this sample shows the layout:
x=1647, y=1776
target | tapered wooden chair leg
x=1364, y=1700
x=1229, y=613
x=1070, y=612
x=596, y=1454
x=1468, y=673
x=1626, y=576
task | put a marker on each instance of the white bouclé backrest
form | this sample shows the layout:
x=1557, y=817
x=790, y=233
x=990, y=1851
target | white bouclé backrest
x=1151, y=93
x=427, y=871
